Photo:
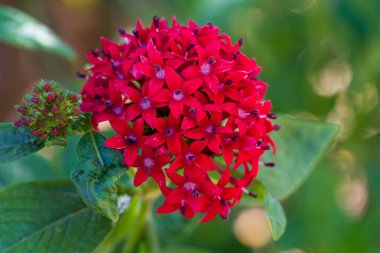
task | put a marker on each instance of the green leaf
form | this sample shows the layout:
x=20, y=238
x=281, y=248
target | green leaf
x=300, y=145
x=275, y=215
x=16, y=142
x=48, y=217
x=19, y=29
x=95, y=175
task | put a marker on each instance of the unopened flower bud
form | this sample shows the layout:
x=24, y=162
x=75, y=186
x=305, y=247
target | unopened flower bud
x=47, y=87
x=36, y=100
x=54, y=131
x=50, y=98
x=74, y=97
x=55, y=109
x=21, y=110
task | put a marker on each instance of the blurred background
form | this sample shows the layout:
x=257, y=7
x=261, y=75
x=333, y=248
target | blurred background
x=321, y=59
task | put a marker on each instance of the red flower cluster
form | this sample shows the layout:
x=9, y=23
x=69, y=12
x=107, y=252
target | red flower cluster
x=179, y=97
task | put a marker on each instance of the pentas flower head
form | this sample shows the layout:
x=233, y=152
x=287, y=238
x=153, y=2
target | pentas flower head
x=50, y=113
x=179, y=97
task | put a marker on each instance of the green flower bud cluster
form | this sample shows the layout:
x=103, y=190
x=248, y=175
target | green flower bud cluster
x=51, y=113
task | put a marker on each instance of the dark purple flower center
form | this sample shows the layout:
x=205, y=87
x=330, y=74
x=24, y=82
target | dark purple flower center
x=108, y=104
x=189, y=157
x=211, y=60
x=148, y=163
x=145, y=103
x=192, y=112
x=205, y=68
x=211, y=130
x=117, y=110
x=169, y=131
x=223, y=202
x=131, y=139
x=234, y=138
x=189, y=186
x=159, y=72
x=255, y=113
x=178, y=95
x=195, y=194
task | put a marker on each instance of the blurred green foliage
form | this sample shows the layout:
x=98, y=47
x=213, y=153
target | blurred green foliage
x=20, y=29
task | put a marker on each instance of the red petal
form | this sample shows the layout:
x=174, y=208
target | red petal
x=228, y=155
x=173, y=80
x=189, y=213
x=222, y=66
x=132, y=112
x=249, y=102
x=115, y=142
x=140, y=177
x=149, y=116
x=120, y=126
x=197, y=204
x=195, y=134
x=210, y=189
x=193, y=102
x=204, y=162
x=213, y=144
x=174, y=145
x=209, y=216
x=176, y=178
x=167, y=208
x=145, y=68
x=212, y=108
x=230, y=108
x=187, y=123
x=192, y=85
x=162, y=96
x=155, y=140
x=173, y=121
x=154, y=86
x=175, y=196
x=160, y=124
x=232, y=193
x=224, y=129
x=212, y=83
x=163, y=160
x=194, y=173
x=153, y=55
x=242, y=125
x=223, y=181
x=190, y=72
x=174, y=63
x=198, y=146
x=176, y=164
x=138, y=126
x=133, y=94
x=158, y=176
x=176, y=108
x=130, y=154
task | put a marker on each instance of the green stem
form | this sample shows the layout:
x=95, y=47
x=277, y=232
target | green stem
x=138, y=228
x=153, y=240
